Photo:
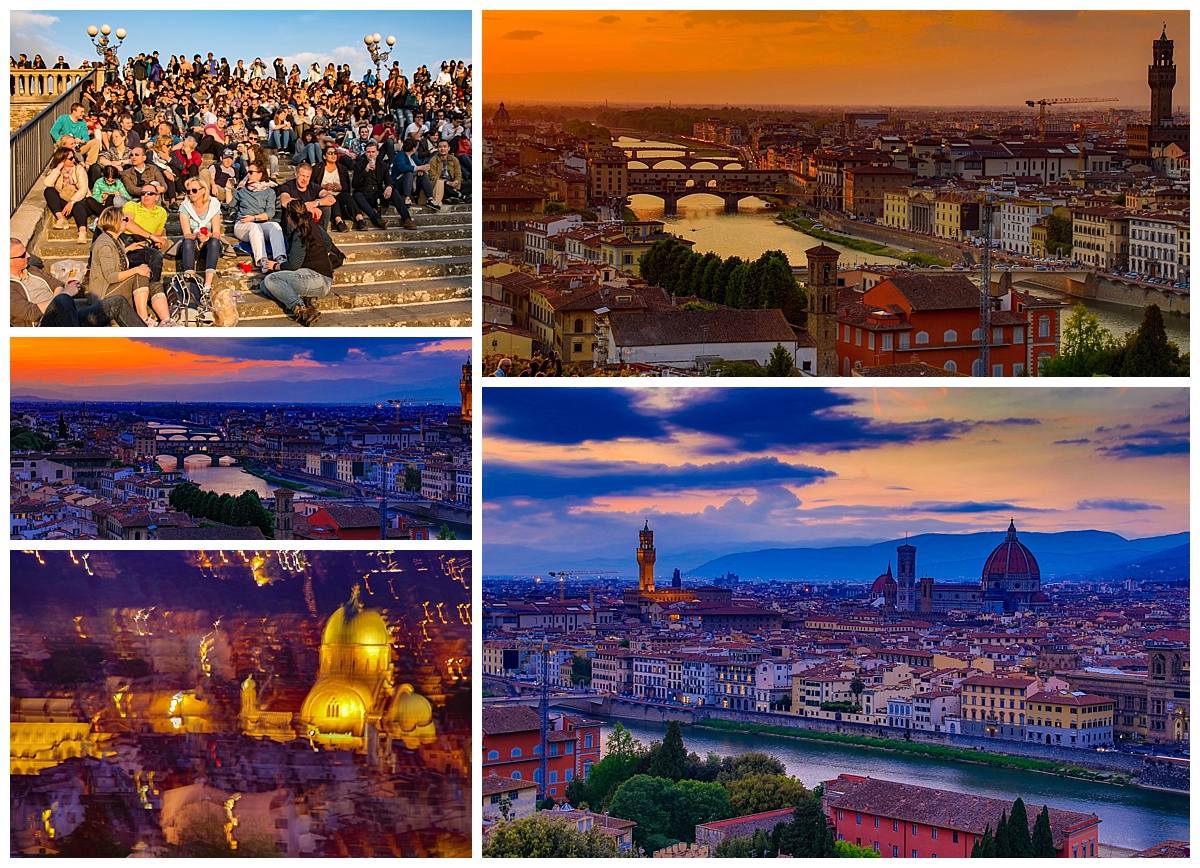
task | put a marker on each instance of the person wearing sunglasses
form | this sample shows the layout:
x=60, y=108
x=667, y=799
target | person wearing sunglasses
x=254, y=213
x=38, y=299
x=200, y=220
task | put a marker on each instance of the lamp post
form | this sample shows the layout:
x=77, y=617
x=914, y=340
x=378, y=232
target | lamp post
x=102, y=44
x=372, y=40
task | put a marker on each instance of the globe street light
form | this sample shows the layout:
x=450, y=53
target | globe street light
x=102, y=43
x=372, y=40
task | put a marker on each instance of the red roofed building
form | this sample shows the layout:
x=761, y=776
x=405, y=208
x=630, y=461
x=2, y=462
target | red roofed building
x=903, y=821
x=741, y=827
x=511, y=747
x=934, y=319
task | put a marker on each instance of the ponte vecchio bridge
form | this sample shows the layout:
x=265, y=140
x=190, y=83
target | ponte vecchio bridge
x=732, y=185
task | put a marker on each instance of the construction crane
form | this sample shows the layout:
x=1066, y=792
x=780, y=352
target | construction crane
x=1042, y=103
x=561, y=575
x=986, y=206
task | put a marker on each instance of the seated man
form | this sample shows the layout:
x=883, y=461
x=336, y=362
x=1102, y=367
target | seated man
x=318, y=202
x=446, y=175
x=373, y=189
x=223, y=177
x=71, y=131
x=35, y=298
x=145, y=234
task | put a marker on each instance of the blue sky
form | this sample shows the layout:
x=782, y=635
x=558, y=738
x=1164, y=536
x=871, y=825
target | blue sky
x=320, y=370
x=569, y=471
x=299, y=37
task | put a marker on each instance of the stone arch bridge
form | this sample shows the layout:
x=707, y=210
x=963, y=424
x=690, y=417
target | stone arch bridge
x=732, y=185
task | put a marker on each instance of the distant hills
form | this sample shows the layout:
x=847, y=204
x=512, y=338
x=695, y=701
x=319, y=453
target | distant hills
x=1090, y=554
x=960, y=557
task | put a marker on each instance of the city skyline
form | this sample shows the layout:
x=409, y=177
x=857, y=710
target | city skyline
x=241, y=370
x=825, y=467
x=818, y=58
x=422, y=37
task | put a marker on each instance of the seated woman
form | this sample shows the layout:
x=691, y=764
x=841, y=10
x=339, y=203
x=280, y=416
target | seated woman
x=254, y=213
x=159, y=155
x=118, y=153
x=66, y=187
x=307, y=273
x=308, y=149
x=279, y=131
x=111, y=274
x=186, y=158
x=200, y=220
x=410, y=176
x=108, y=192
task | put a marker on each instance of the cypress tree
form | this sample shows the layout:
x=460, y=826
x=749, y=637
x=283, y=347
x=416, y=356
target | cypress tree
x=1003, y=848
x=985, y=848
x=670, y=761
x=1043, y=837
x=1019, y=844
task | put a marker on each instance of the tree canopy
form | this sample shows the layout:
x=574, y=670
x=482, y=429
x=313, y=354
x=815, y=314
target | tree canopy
x=542, y=837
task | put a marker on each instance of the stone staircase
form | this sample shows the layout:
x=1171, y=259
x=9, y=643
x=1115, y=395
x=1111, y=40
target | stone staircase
x=391, y=277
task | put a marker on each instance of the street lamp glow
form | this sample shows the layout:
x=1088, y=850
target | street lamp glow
x=105, y=29
x=120, y=33
x=92, y=30
x=391, y=40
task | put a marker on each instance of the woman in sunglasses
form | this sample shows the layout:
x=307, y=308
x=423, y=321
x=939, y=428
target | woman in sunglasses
x=200, y=220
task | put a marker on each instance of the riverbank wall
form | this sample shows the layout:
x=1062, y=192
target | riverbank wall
x=1109, y=761
x=1098, y=286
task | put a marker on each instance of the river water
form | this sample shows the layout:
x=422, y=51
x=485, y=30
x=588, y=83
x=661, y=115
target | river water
x=228, y=480
x=1129, y=816
x=701, y=219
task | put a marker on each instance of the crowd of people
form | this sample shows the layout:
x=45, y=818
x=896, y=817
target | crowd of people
x=135, y=147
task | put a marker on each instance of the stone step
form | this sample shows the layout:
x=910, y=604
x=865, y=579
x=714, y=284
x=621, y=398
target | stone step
x=387, y=246
x=447, y=313
x=63, y=244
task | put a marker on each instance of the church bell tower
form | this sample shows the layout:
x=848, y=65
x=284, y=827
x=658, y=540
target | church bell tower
x=822, y=306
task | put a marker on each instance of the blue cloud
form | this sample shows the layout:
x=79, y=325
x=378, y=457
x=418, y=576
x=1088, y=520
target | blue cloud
x=1119, y=504
x=811, y=419
x=587, y=480
x=971, y=506
x=567, y=416
x=1152, y=449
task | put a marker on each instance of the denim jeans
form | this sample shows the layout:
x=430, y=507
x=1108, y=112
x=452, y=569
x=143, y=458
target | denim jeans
x=280, y=139
x=289, y=288
x=63, y=311
x=310, y=153
x=262, y=236
x=188, y=252
x=410, y=182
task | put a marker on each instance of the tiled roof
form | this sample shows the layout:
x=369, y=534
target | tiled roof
x=944, y=808
x=700, y=327
x=935, y=292
x=515, y=718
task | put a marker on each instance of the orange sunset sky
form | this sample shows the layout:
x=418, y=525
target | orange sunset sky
x=838, y=58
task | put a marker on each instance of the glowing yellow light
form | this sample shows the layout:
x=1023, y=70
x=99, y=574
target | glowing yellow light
x=231, y=821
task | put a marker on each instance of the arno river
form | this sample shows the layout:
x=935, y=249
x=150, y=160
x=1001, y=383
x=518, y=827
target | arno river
x=1130, y=817
x=702, y=220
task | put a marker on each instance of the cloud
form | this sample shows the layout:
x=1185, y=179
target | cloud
x=1077, y=442
x=1153, y=449
x=971, y=506
x=1119, y=504
x=588, y=481
x=522, y=35
x=22, y=20
x=610, y=19
x=567, y=416
x=814, y=420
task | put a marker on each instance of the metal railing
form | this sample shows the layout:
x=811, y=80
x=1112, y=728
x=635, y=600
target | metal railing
x=30, y=148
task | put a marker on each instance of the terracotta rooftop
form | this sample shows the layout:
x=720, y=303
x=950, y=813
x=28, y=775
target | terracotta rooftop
x=700, y=327
x=515, y=718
